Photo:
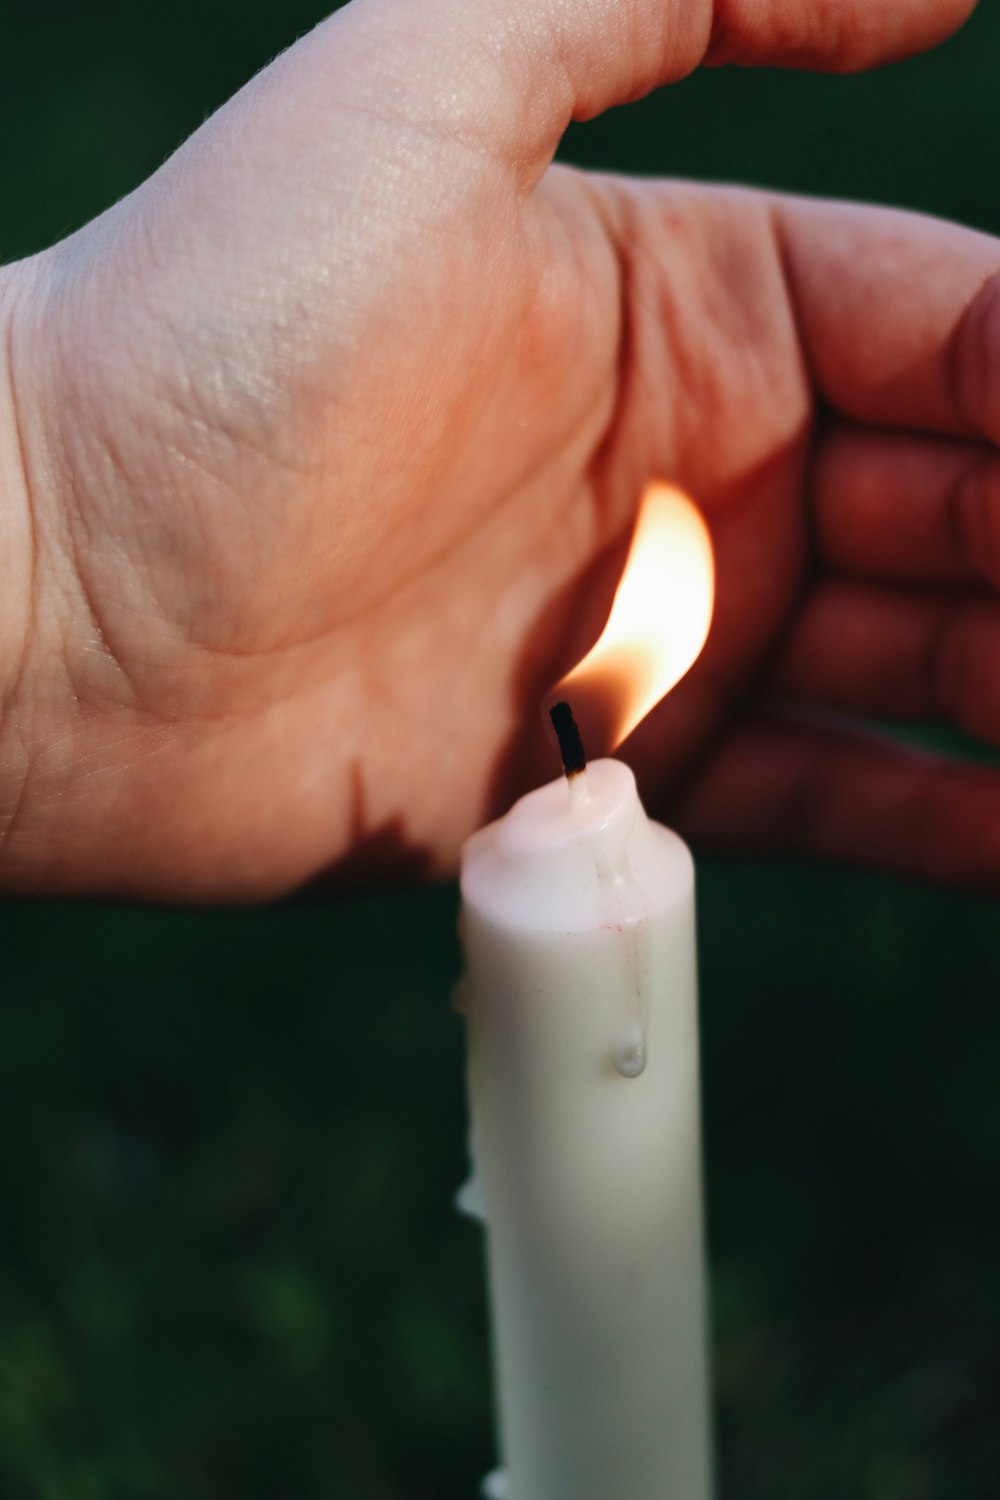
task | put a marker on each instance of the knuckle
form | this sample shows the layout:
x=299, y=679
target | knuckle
x=975, y=517
x=975, y=362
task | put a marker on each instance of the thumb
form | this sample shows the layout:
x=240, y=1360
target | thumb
x=519, y=72
x=321, y=188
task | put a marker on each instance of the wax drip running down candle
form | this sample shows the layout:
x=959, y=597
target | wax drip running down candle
x=628, y=1052
x=580, y=997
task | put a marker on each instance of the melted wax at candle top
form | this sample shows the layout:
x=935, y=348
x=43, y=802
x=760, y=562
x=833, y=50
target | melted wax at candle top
x=588, y=836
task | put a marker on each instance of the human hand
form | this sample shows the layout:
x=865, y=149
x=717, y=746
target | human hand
x=320, y=450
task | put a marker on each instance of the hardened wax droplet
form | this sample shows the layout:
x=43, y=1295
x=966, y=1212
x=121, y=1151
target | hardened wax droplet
x=470, y=1199
x=629, y=1056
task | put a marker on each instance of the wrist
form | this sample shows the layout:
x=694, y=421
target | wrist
x=31, y=625
x=15, y=500
x=16, y=563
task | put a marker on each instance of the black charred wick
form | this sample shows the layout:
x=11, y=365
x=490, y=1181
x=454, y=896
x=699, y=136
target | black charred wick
x=574, y=757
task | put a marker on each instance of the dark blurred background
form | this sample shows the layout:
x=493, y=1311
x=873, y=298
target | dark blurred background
x=229, y=1267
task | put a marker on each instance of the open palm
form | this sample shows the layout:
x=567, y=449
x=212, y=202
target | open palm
x=331, y=436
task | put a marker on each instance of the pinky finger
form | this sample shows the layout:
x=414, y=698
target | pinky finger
x=780, y=786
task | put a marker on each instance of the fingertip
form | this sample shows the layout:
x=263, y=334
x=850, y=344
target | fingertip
x=975, y=361
x=847, y=37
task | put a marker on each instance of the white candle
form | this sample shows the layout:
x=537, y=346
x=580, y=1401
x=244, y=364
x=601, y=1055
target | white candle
x=578, y=927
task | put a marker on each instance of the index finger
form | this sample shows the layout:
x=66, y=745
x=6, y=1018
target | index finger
x=899, y=315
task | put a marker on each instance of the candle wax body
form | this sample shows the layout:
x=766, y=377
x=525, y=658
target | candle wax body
x=578, y=928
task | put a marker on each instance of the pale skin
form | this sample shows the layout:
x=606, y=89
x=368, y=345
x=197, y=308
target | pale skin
x=318, y=453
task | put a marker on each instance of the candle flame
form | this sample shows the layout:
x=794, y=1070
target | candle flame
x=658, y=624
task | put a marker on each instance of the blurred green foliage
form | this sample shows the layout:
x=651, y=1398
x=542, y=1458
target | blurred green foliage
x=229, y=1266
